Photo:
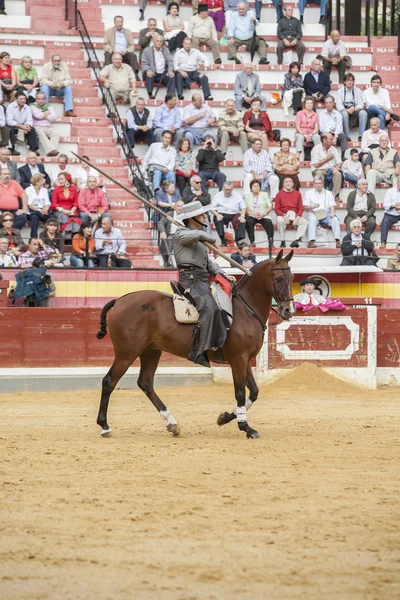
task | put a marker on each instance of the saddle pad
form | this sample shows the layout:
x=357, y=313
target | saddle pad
x=185, y=312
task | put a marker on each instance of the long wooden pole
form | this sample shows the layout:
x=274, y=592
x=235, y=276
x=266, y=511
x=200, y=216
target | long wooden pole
x=160, y=212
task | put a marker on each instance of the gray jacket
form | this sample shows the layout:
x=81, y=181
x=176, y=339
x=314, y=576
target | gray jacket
x=240, y=88
x=14, y=174
x=190, y=252
x=149, y=61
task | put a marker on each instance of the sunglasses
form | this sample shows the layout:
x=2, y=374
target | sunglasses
x=11, y=220
x=197, y=181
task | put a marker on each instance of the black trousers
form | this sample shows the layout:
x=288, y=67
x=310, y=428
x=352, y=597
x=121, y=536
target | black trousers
x=129, y=58
x=240, y=232
x=139, y=136
x=341, y=67
x=161, y=79
x=120, y=263
x=370, y=223
x=19, y=220
x=35, y=217
x=194, y=76
x=182, y=183
x=31, y=138
x=251, y=222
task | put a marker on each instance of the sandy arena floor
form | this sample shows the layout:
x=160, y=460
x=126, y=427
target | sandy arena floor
x=309, y=511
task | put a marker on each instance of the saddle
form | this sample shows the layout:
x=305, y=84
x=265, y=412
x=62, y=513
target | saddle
x=186, y=311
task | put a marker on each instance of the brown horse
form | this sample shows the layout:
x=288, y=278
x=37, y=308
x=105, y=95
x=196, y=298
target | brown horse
x=142, y=324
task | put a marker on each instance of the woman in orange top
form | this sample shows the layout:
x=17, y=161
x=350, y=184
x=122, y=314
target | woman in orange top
x=83, y=248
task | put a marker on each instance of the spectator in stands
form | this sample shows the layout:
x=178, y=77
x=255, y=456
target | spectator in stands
x=8, y=77
x=19, y=120
x=326, y=162
x=316, y=82
x=393, y=264
x=7, y=163
x=257, y=165
x=119, y=39
x=289, y=36
x=166, y=230
x=83, y=248
x=244, y=257
x=391, y=216
x=62, y=167
x=334, y=55
x=357, y=250
x=4, y=130
x=258, y=208
x=158, y=67
x=139, y=126
x=201, y=29
x=92, y=202
x=286, y=164
x=257, y=124
x=377, y=101
x=361, y=205
x=231, y=127
x=11, y=233
x=167, y=196
x=307, y=127
x=185, y=166
x=350, y=102
x=167, y=117
x=216, y=12
x=194, y=192
x=56, y=81
x=43, y=118
x=38, y=203
x=119, y=79
x=110, y=246
x=187, y=63
x=198, y=118
x=331, y=121
x=36, y=249
x=293, y=89
x=370, y=138
x=174, y=27
x=27, y=79
x=12, y=196
x=240, y=33
x=382, y=164
x=322, y=3
x=289, y=210
x=208, y=159
x=84, y=172
x=228, y=206
x=7, y=260
x=32, y=167
x=64, y=205
x=146, y=35
x=320, y=205
x=247, y=86
x=160, y=160
x=352, y=167
x=52, y=237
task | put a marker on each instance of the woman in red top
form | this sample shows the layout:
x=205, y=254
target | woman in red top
x=8, y=77
x=64, y=204
x=257, y=124
x=216, y=12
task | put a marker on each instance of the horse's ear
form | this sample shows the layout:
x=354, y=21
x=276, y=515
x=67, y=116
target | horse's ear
x=289, y=257
x=279, y=257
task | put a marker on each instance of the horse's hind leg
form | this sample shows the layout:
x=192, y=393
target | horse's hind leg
x=149, y=360
x=226, y=417
x=118, y=369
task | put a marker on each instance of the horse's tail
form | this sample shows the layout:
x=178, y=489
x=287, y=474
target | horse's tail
x=103, y=319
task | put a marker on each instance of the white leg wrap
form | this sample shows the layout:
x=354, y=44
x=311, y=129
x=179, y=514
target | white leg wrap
x=241, y=414
x=248, y=405
x=167, y=416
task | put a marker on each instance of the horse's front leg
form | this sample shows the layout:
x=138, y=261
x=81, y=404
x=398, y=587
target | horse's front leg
x=227, y=417
x=239, y=379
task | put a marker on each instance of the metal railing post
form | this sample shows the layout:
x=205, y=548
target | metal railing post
x=368, y=21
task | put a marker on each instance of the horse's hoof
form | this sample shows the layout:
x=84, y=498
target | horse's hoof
x=106, y=433
x=252, y=434
x=223, y=419
x=174, y=429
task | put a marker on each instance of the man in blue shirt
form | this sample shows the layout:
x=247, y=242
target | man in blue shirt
x=167, y=117
x=240, y=33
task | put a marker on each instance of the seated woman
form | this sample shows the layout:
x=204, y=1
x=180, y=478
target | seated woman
x=174, y=27
x=27, y=79
x=83, y=248
x=185, y=164
x=52, y=237
x=311, y=297
x=64, y=204
x=167, y=196
x=356, y=249
x=307, y=125
x=286, y=164
x=216, y=12
x=293, y=90
x=257, y=124
x=8, y=77
x=258, y=207
x=15, y=244
x=38, y=203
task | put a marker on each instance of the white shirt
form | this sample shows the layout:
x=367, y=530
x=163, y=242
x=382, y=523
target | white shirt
x=330, y=121
x=230, y=205
x=361, y=202
x=324, y=198
x=7, y=260
x=40, y=201
x=392, y=196
x=369, y=138
x=191, y=61
x=115, y=235
x=318, y=153
x=84, y=176
x=382, y=98
x=158, y=155
x=352, y=167
x=333, y=50
x=160, y=61
x=15, y=116
x=256, y=163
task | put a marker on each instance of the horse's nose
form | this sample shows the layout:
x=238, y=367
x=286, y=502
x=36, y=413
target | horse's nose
x=286, y=313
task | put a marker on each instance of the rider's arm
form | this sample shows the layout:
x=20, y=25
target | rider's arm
x=189, y=237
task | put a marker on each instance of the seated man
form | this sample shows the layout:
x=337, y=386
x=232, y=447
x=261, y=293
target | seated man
x=201, y=30
x=187, y=61
x=139, y=126
x=194, y=192
x=356, y=249
x=240, y=33
x=36, y=249
x=391, y=204
x=334, y=55
x=160, y=160
x=32, y=167
x=92, y=201
x=350, y=103
x=316, y=82
x=19, y=120
x=377, y=101
x=119, y=79
x=166, y=230
x=110, y=246
x=56, y=81
x=331, y=121
x=289, y=35
x=198, y=118
x=147, y=34
x=243, y=256
x=208, y=159
x=289, y=211
x=119, y=39
x=43, y=118
x=393, y=264
x=227, y=207
x=7, y=163
x=257, y=165
x=361, y=205
x=247, y=86
x=7, y=260
x=231, y=127
x=158, y=67
x=382, y=165
x=311, y=297
x=320, y=205
x=326, y=162
x=370, y=138
x=167, y=117
x=11, y=193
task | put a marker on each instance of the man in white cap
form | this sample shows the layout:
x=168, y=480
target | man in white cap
x=195, y=265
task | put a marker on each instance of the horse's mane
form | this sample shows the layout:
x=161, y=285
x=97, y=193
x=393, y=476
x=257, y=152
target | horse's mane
x=245, y=278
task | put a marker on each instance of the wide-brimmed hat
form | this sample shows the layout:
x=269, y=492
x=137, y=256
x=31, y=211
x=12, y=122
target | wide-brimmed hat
x=193, y=209
x=316, y=282
x=320, y=213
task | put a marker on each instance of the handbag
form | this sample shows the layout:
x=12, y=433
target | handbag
x=277, y=135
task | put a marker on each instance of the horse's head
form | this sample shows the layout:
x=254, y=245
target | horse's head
x=282, y=279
